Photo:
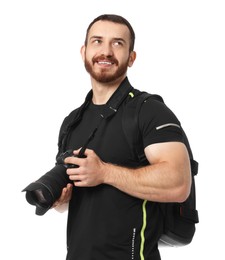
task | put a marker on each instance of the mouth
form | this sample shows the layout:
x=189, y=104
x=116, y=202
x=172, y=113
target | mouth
x=108, y=63
x=105, y=62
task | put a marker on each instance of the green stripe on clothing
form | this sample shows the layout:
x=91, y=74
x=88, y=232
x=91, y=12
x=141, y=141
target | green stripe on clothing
x=144, y=214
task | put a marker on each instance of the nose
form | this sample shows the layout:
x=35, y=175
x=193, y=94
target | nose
x=107, y=49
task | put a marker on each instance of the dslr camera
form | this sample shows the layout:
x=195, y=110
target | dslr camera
x=47, y=189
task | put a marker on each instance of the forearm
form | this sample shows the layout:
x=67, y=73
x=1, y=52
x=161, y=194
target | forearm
x=160, y=182
x=167, y=179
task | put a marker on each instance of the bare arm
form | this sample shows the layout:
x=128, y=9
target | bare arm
x=167, y=179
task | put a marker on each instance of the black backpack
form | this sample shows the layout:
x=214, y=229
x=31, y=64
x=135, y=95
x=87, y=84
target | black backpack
x=179, y=218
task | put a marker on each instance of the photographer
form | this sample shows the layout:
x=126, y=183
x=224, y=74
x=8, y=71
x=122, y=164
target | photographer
x=113, y=197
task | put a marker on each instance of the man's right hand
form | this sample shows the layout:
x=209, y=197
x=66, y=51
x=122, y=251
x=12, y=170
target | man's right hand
x=62, y=203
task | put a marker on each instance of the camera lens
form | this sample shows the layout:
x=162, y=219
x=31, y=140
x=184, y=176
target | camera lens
x=46, y=190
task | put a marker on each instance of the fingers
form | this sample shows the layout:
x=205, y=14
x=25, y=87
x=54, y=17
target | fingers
x=65, y=195
x=86, y=152
x=88, y=171
x=79, y=160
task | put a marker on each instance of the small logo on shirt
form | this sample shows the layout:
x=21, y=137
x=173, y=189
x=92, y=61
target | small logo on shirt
x=133, y=243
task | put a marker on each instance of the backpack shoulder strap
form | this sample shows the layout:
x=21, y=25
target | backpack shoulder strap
x=130, y=120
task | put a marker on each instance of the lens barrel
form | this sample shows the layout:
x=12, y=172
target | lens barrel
x=47, y=189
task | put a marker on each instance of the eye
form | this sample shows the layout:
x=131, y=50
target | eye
x=97, y=41
x=118, y=43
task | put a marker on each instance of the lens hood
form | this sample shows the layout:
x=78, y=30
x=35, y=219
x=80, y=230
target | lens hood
x=39, y=195
x=46, y=190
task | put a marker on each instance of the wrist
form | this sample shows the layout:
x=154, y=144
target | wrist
x=107, y=173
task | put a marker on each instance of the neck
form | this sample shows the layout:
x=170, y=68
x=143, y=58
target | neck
x=103, y=91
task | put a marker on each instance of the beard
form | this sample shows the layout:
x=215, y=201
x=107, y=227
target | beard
x=104, y=76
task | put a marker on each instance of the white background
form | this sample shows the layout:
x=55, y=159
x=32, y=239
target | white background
x=180, y=55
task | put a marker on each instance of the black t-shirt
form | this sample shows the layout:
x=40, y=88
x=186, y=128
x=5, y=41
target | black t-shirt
x=104, y=222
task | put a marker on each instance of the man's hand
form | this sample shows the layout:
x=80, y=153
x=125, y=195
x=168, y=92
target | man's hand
x=89, y=172
x=62, y=203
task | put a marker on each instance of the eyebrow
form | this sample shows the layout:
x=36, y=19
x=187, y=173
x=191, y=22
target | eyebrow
x=95, y=37
x=100, y=37
x=120, y=39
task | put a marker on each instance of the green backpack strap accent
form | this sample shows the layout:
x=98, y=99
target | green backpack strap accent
x=179, y=218
x=130, y=121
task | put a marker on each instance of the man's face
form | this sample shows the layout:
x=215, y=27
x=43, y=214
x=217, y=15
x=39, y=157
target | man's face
x=106, y=56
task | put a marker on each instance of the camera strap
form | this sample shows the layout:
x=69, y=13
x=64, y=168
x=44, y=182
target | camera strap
x=109, y=110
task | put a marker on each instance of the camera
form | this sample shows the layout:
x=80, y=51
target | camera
x=47, y=189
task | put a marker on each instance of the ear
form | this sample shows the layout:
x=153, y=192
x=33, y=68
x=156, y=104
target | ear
x=82, y=52
x=132, y=58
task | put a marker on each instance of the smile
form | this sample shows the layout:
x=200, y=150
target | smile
x=105, y=63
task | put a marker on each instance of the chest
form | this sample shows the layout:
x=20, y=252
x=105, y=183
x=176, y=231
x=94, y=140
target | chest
x=109, y=141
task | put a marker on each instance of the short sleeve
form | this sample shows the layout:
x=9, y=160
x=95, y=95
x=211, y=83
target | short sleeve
x=158, y=123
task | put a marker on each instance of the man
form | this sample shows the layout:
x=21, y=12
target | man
x=114, y=201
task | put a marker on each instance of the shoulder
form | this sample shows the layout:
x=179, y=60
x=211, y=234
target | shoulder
x=158, y=123
x=148, y=107
x=154, y=107
x=69, y=117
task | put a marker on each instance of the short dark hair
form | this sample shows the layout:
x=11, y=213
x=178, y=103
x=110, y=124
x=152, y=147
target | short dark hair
x=115, y=19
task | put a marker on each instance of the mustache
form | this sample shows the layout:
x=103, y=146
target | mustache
x=105, y=58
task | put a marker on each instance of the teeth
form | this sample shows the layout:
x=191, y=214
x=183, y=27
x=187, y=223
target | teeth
x=105, y=62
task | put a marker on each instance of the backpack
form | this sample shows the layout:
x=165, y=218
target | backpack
x=179, y=218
